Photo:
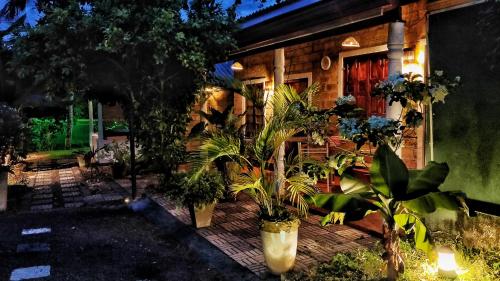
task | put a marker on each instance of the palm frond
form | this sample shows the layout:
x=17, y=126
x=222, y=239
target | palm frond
x=254, y=185
x=213, y=148
x=298, y=186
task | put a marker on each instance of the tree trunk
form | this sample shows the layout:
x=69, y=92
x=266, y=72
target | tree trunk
x=69, y=127
x=395, y=264
x=133, y=178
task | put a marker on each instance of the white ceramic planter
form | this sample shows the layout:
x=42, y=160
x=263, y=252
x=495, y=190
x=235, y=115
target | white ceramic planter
x=202, y=216
x=279, y=242
x=3, y=190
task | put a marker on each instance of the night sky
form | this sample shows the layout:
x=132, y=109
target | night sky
x=247, y=7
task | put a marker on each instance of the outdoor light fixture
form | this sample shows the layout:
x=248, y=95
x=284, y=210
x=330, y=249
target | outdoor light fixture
x=350, y=42
x=126, y=200
x=447, y=266
x=237, y=66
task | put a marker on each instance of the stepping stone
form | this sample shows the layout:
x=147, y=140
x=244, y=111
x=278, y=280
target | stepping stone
x=41, y=201
x=71, y=194
x=41, y=207
x=73, y=205
x=33, y=247
x=37, y=196
x=33, y=272
x=34, y=231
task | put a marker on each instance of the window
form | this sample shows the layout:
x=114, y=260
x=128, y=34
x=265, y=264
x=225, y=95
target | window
x=361, y=74
x=254, y=109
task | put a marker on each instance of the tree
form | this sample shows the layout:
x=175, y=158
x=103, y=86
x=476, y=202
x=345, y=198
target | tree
x=151, y=56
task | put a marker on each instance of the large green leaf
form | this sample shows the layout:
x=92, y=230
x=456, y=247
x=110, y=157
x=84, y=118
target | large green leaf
x=429, y=203
x=426, y=181
x=350, y=184
x=389, y=174
x=411, y=224
x=354, y=206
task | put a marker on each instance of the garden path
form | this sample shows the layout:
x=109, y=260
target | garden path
x=234, y=231
x=62, y=184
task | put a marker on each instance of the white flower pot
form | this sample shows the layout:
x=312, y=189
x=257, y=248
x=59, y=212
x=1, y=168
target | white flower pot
x=279, y=242
x=3, y=190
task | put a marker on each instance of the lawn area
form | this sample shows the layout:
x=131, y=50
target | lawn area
x=55, y=154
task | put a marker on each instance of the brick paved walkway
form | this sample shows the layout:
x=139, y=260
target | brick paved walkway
x=52, y=188
x=234, y=231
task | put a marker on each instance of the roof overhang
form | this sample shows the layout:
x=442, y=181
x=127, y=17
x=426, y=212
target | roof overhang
x=318, y=20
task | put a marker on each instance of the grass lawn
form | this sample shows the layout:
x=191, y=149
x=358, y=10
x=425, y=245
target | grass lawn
x=55, y=154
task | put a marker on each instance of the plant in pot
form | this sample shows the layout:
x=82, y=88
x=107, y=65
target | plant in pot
x=200, y=195
x=261, y=179
x=12, y=129
x=120, y=157
x=400, y=196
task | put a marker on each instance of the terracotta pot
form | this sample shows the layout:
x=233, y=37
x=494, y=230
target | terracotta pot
x=279, y=242
x=3, y=190
x=201, y=216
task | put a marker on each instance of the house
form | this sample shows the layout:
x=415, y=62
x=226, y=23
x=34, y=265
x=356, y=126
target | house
x=347, y=46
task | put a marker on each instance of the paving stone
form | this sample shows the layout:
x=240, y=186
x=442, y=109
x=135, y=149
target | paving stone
x=33, y=272
x=41, y=207
x=35, y=231
x=41, y=201
x=42, y=196
x=33, y=247
x=74, y=205
x=71, y=194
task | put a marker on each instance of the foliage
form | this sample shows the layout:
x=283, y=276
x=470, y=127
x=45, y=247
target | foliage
x=342, y=267
x=410, y=92
x=206, y=189
x=257, y=178
x=44, y=132
x=11, y=134
x=368, y=264
x=220, y=122
x=116, y=126
x=151, y=56
x=399, y=196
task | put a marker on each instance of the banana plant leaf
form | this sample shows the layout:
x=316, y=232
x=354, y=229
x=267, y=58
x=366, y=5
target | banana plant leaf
x=353, y=206
x=389, y=174
x=427, y=180
x=411, y=224
x=429, y=203
x=350, y=184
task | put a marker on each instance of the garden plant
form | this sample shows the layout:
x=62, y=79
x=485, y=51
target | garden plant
x=401, y=196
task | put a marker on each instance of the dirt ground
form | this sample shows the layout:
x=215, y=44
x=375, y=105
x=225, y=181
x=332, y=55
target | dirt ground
x=113, y=245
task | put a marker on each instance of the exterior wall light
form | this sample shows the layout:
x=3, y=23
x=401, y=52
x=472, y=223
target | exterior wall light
x=237, y=66
x=447, y=266
x=350, y=42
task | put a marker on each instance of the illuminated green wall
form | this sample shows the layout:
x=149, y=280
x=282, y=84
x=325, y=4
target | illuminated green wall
x=467, y=127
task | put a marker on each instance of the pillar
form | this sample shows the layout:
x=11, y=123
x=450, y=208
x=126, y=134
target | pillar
x=395, y=45
x=91, y=122
x=100, y=126
x=279, y=79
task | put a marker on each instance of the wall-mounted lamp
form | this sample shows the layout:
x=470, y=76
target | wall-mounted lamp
x=350, y=42
x=447, y=266
x=237, y=66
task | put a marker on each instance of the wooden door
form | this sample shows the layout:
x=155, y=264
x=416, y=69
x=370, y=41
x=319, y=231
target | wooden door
x=361, y=74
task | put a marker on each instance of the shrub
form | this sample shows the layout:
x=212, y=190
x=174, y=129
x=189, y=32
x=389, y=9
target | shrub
x=11, y=133
x=44, y=133
x=207, y=189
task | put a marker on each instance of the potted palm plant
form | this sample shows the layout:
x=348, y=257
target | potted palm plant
x=260, y=178
x=200, y=195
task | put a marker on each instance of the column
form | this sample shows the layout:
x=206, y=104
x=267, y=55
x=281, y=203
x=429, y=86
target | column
x=279, y=78
x=395, y=44
x=100, y=126
x=91, y=122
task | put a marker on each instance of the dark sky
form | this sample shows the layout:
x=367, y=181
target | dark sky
x=247, y=7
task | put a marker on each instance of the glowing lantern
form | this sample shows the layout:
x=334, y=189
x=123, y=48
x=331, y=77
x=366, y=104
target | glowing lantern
x=237, y=66
x=447, y=266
